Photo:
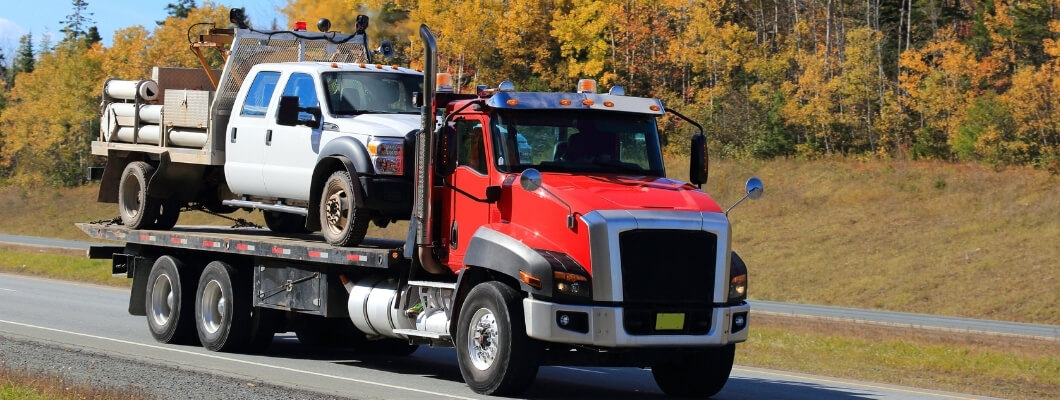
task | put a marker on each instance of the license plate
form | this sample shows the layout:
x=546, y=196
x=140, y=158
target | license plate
x=669, y=321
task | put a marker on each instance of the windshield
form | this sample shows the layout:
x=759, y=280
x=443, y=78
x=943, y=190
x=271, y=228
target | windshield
x=354, y=92
x=576, y=141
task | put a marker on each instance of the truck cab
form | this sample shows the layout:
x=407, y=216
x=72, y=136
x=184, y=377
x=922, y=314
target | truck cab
x=294, y=123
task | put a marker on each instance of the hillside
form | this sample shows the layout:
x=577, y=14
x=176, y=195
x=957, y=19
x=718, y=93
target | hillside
x=952, y=239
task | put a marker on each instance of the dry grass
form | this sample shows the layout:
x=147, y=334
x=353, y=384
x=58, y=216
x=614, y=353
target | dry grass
x=936, y=238
x=991, y=366
x=39, y=385
x=59, y=266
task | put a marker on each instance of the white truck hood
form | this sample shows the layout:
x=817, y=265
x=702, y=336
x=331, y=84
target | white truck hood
x=378, y=125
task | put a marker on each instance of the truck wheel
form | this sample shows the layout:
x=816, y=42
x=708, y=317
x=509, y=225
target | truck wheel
x=168, y=214
x=263, y=324
x=137, y=209
x=169, y=317
x=222, y=309
x=285, y=223
x=495, y=355
x=699, y=374
x=341, y=222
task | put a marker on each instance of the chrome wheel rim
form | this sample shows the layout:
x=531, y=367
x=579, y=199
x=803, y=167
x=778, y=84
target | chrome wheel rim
x=163, y=300
x=483, y=339
x=213, y=306
x=336, y=210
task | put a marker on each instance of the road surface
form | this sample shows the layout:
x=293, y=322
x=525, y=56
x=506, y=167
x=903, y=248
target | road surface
x=890, y=318
x=94, y=319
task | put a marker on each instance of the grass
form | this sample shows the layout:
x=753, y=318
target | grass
x=990, y=366
x=59, y=266
x=24, y=385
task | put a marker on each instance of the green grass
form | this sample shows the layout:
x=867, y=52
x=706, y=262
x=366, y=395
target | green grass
x=58, y=266
x=945, y=363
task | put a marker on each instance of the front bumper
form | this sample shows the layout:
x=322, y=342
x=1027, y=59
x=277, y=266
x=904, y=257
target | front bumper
x=605, y=327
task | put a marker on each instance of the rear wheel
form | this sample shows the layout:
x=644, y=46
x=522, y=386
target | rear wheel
x=285, y=223
x=168, y=214
x=495, y=355
x=222, y=309
x=698, y=374
x=137, y=209
x=170, y=314
x=341, y=222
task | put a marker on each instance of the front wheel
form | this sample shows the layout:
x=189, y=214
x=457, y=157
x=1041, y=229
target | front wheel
x=698, y=374
x=495, y=355
x=341, y=222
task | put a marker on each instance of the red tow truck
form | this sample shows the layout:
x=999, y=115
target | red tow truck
x=544, y=232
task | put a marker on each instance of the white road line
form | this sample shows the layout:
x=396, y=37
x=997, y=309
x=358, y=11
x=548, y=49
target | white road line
x=256, y=364
x=839, y=382
x=8, y=290
x=583, y=370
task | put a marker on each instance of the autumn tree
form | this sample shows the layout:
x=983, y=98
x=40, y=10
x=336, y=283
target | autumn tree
x=77, y=23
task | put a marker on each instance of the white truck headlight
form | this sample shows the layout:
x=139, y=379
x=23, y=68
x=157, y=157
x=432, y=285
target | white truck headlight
x=387, y=155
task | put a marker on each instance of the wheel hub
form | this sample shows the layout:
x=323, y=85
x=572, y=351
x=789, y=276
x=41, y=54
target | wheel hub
x=213, y=307
x=163, y=300
x=483, y=339
x=335, y=210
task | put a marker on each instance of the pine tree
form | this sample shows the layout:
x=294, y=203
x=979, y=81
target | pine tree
x=25, y=57
x=74, y=25
x=178, y=10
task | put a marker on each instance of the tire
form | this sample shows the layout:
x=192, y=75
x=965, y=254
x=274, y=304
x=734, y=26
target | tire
x=495, y=355
x=170, y=317
x=168, y=214
x=222, y=309
x=285, y=223
x=341, y=222
x=263, y=324
x=699, y=374
x=137, y=209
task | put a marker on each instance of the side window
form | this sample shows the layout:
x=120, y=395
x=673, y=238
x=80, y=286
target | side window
x=302, y=86
x=260, y=93
x=470, y=149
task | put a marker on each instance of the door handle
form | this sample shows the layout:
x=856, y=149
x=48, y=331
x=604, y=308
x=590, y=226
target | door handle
x=268, y=137
x=233, y=134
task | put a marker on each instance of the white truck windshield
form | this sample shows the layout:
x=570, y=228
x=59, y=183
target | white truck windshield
x=352, y=92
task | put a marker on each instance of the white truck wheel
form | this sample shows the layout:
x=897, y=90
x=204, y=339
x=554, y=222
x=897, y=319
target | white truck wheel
x=341, y=222
x=169, y=316
x=699, y=374
x=137, y=209
x=168, y=214
x=222, y=309
x=495, y=355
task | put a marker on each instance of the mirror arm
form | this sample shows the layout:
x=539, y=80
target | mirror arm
x=689, y=120
x=745, y=196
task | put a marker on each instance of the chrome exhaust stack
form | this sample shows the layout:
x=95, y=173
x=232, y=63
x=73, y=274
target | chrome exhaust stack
x=425, y=158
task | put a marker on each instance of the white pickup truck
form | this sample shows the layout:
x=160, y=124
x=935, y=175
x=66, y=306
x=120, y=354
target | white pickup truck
x=300, y=125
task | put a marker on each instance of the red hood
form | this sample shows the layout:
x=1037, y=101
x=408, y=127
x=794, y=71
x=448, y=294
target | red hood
x=624, y=192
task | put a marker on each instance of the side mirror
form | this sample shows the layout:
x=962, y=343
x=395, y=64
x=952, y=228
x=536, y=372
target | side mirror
x=493, y=194
x=446, y=150
x=698, y=166
x=530, y=179
x=755, y=190
x=288, y=112
x=317, y=116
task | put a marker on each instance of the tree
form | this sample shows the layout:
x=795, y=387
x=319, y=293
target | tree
x=25, y=57
x=76, y=24
x=169, y=44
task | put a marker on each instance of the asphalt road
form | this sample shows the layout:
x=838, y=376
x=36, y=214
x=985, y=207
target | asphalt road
x=94, y=319
x=889, y=318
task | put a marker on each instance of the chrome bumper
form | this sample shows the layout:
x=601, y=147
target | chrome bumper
x=606, y=330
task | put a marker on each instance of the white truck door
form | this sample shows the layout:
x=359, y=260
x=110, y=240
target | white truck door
x=291, y=154
x=246, y=135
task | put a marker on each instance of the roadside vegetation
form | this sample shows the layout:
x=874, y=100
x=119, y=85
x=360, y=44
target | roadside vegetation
x=58, y=266
x=982, y=365
x=25, y=385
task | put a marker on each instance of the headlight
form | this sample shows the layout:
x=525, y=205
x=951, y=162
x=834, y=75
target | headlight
x=572, y=284
x=387, y=155
x=738, y=288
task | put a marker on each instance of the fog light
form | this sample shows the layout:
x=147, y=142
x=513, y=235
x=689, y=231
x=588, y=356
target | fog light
x=739, y=321
x=564, y=320
x=573, y=321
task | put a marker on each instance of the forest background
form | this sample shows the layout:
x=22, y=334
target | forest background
x=950, y=80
